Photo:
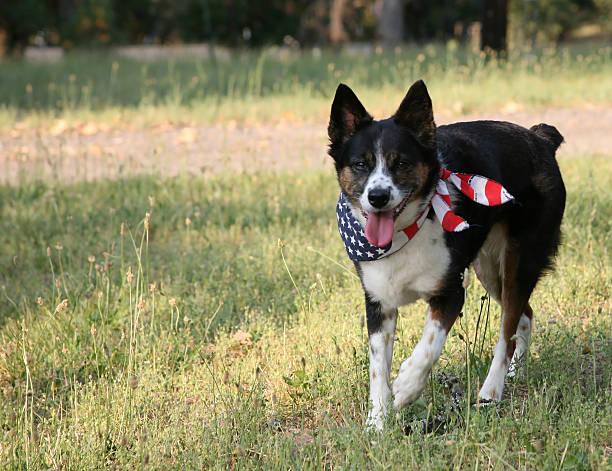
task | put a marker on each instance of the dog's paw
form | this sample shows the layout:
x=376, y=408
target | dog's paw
x=490, y=393
x=484, y=403
x=408, y=385
x=517, y=362
x=376, y=419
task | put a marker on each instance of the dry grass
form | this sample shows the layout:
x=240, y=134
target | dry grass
x=193, y=339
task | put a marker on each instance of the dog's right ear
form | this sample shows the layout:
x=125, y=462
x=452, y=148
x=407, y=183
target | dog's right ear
x=347, y=115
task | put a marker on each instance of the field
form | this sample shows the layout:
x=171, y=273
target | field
x=284, y=85
x=213, y=321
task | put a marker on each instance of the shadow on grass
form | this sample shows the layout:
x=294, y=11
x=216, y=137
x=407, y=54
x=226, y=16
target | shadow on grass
x=211, y=240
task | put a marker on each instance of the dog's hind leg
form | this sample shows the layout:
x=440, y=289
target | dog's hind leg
x=517, y=285
x=489, y=266
x=412, y=377
x=523, y=334
x=381, y=332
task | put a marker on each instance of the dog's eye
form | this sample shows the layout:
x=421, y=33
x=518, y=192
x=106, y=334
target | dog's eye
x=404, y=164
x=360, y=165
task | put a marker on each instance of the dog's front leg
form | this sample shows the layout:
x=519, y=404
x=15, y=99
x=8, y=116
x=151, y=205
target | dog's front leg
x=381, y=332
x=412, y=377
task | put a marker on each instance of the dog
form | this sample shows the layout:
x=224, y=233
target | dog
x=418, y=205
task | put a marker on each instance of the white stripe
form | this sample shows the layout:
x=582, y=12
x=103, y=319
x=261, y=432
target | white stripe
x=505, y=196
x=478, y=183
x=422, y=218
x=441, y=188
x=462, y=226
x=440, y=207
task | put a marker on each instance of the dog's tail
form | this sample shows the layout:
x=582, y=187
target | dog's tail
x=549, y=133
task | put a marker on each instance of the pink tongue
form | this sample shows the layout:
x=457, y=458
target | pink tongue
x=379, y=228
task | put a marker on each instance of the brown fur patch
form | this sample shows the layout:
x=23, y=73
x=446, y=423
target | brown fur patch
x=414, y=177
x=431, y=338
x=512, y=304
x=421, y=171
x=352, y=185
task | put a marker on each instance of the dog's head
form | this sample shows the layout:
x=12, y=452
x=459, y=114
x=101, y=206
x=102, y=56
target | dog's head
x=388, y=168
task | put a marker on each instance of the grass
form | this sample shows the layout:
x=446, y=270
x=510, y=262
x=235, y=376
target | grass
x=224, y=330
x=272, y=84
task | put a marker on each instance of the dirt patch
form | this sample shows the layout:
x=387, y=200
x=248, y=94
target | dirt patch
x=91, y=153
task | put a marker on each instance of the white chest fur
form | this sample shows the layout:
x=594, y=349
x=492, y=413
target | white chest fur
x=415, y=271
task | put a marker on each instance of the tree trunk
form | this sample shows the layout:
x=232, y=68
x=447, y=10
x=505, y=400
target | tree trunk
x=390, y=21
x=337, y=34
x=494, y=25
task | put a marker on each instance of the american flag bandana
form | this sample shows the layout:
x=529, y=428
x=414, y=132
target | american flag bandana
x=480, y=189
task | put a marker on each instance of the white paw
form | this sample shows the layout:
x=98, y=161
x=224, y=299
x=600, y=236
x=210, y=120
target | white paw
x=408, y=386
x=518, y=360
x=490, y=391
x=376, y=419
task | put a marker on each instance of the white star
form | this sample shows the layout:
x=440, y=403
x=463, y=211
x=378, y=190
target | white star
x=360, y=243
x=352, y=240
x=369, y=254
x=343, y=222
x=380, y=251
x=359, y=253
x=349, y=249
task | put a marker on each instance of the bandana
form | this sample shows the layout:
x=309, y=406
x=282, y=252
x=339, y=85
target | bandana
x=476, y=187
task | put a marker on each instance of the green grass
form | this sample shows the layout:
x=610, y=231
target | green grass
x=250, y=353
x=269, y=85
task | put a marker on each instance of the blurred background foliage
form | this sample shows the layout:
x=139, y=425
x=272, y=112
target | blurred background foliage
x=244, y=23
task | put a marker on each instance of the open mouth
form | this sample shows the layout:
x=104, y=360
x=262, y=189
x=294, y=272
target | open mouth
x=379, y=228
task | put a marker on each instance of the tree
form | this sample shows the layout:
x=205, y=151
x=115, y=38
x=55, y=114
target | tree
x=21, y=20
x=494, y=25
x=390, y=21
x=337, y=33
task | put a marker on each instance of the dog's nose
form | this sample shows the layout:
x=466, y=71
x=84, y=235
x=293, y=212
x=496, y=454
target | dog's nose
x=379, y=197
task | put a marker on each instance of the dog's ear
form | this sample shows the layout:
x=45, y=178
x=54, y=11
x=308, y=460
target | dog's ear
x=347, y=115
x=416, y=114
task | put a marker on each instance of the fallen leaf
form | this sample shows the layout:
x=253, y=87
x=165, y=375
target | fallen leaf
x=58, y=128
x=187, y=135
x=89, y=129
x=243, y=337
x=95, y=149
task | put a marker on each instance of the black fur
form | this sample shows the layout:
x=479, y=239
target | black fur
x=522, y=160
x=411, y=150
x=524, y=163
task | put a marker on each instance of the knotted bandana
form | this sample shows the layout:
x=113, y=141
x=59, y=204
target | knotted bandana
x=476, y=187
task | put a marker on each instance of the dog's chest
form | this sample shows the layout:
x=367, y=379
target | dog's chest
x=415, y=271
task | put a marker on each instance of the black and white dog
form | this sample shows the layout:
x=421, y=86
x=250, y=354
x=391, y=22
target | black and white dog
x=419, y=204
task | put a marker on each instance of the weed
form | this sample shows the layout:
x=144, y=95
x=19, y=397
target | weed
x=130, y=339
x=269, y=85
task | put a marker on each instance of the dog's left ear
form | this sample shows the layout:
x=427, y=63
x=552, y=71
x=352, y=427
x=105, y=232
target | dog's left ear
x=416, y=114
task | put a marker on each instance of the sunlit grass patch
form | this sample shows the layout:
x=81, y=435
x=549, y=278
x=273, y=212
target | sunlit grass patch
x=266, y=85
x=192, y=338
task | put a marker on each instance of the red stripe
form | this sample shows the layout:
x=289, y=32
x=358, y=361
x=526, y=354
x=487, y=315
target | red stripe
x=493, y=192
x=446, y=198
x=411, y=230
x=444, y=174
x=466, y=189
x=451, y=221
